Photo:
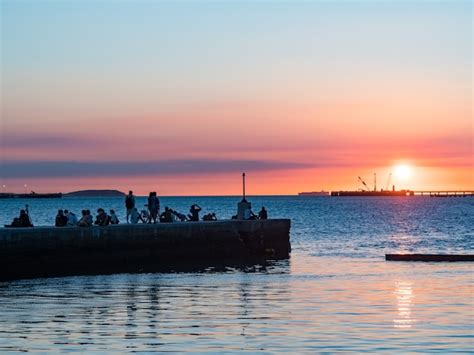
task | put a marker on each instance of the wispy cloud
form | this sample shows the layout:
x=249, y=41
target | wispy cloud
x=72, y=169
x=15, y=140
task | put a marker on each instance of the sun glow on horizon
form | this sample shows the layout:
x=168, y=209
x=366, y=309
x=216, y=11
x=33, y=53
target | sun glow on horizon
x=403, y=172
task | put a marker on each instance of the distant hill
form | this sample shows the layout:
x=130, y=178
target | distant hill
x=95, y=193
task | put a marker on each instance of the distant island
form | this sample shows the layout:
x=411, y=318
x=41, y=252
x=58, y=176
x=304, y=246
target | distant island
x=95, y=193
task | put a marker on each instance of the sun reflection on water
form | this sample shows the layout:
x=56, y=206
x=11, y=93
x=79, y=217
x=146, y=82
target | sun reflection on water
x=405, y=296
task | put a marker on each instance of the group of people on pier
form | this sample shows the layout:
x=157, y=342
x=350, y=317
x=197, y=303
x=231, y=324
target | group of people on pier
x=65, y=218
x=152, y=215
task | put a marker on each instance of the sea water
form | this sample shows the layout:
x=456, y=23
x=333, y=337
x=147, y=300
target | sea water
x=335, y=293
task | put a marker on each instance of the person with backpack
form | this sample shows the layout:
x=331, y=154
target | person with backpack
x=129, y=204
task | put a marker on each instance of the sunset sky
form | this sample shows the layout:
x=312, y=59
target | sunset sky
x=181, y=97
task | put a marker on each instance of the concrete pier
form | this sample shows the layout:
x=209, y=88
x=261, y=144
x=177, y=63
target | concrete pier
x=58, y=251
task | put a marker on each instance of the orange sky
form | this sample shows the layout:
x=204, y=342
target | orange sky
x=301, y=97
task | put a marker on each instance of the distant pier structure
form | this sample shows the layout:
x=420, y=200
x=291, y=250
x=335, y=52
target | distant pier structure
x=445, y=193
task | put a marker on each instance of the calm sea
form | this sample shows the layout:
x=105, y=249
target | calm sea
x=335, y=294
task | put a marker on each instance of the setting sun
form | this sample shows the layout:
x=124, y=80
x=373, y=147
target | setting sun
x=403, y=171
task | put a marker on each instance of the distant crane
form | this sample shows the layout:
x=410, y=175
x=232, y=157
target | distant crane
x=363, y=183
x=388, y=181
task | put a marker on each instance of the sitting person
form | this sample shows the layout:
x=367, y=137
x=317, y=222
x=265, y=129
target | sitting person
x=179, y=216
x=113, y=219
x=166, y=216
x=22, y=221
x=84, y=221
x=101, y=219
x=248, y=214
x=61, y=219
x=135, y=217
x=145, y=216
x=71, y=218
x=263, y=214
x=173, y=216
x=194, y=216
x=209, y=217
x=89, y=218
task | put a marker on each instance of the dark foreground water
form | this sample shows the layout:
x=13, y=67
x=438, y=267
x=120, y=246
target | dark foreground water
x=336, y=293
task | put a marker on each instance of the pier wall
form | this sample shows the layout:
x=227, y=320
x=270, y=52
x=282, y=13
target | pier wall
x=56, y=251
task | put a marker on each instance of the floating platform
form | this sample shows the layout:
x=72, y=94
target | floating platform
x=61, y=251
x=429, y=257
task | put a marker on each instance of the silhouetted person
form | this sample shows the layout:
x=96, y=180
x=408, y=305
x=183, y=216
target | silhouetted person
x=61, y=219
x=157, y=205
x=22, y=221
x=129, y=203
x=248, y=214
x=152, y=207
x=194, y=216
x=263, y=214
x=209, y=217
x=83, y=222
x=71, y=218
x=101, y=219
x=135, y=216
x=179, y=216
x=89, y=218
x=173, y=216
x=113, y=219
x=145, y=216
x=166, y=216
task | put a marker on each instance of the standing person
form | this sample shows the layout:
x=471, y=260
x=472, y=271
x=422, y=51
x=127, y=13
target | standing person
x=129, y=204
x=151, y=208
x=157, y=205
x=194, y=216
